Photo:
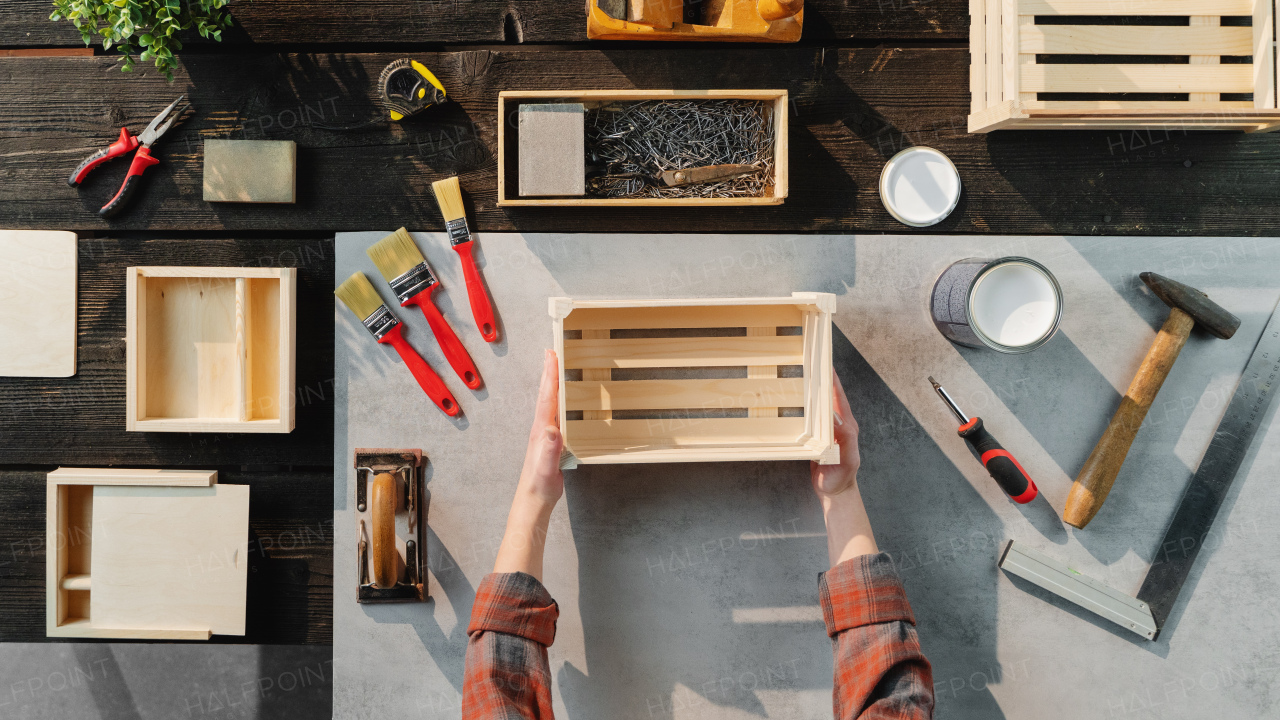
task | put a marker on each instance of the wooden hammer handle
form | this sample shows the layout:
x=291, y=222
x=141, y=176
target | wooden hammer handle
x=1099, y=472
x=383, y=508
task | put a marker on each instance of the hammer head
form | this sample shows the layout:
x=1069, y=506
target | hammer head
x=1207, y=313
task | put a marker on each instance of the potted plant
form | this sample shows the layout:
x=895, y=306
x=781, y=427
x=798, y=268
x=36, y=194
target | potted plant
x=149, y=25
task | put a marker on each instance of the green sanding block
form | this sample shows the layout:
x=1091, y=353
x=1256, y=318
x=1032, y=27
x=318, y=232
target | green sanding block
x=250, y=171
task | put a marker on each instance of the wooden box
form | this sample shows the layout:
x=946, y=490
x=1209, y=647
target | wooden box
x=145, y=554
x=509, y=102
x=696, y=380
x=1031, y=65
x=210, y=349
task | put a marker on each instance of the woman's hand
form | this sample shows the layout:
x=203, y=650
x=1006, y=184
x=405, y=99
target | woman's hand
x=541, y=482
x=848, y=528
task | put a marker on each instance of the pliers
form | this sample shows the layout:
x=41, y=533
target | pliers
x=141, y=160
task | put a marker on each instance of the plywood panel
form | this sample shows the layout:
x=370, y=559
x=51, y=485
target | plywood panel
x=170, y=558
x=684, y=352
x=683, y=394
x=191, y=358
x=37, y=303
x=683, y=432
x=1135, y=40
x=688, y=316
x=263, y=366
x=1137, y=78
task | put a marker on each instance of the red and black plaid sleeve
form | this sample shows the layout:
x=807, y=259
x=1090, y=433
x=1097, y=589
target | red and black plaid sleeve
x=507, y=674
x=880, y=672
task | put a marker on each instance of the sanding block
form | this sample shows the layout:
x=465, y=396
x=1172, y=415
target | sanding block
x=250, y=171
x=553, y=149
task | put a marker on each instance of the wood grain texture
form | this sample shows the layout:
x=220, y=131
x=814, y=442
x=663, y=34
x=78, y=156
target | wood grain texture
x=1096, y=478
x=37, y=303
x=290, y=593
x=81, y=420
x=852, y=110
x=266, y=22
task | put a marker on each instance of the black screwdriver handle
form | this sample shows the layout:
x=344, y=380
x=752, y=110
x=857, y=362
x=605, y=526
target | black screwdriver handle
x=1004, y=469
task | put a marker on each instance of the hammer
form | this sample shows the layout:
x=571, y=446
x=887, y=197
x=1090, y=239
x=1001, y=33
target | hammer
x=1187, y=307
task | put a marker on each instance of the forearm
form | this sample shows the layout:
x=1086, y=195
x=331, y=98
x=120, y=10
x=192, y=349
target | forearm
x=526, y=534
x=848, y=527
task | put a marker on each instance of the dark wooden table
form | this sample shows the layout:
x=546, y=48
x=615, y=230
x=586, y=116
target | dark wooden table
x=868, y=79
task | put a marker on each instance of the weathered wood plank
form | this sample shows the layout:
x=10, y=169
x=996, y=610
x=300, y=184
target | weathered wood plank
x=852, y=109
x=79, y=420
x=290, y=593
x=26, y=22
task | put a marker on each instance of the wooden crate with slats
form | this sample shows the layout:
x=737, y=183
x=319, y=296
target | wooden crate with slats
x=702, y=380
x=1123, y=64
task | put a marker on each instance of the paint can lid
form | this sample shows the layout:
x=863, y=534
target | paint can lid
x=920, y=186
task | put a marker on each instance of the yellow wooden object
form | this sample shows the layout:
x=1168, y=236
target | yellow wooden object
x=726, y=21
x=719, y=393
x=1014, y=86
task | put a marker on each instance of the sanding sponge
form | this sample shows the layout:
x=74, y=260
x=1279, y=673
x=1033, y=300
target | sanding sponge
x=250, y=171
x=553, y=149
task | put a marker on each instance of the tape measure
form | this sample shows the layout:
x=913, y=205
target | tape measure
x=407, y=88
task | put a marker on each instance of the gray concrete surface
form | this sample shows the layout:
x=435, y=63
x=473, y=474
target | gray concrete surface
x=689, y=591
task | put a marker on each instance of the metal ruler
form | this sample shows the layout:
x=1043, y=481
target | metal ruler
x=1146, y=614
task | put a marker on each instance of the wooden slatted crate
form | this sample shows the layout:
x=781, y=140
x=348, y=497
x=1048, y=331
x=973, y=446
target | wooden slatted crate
x=696, y=380
x=1049, y=64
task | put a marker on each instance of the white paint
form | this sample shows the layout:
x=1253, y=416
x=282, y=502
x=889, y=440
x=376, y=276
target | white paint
x=919, y=186
x=1014, y=304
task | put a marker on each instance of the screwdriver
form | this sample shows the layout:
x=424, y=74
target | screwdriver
x=1004, y=469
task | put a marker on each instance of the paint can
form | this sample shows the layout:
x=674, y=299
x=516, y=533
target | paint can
x=919, y=186
x=1010, y=304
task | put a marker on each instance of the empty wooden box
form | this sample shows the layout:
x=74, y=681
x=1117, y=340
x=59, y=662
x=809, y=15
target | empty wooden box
x=509, y=102
x=1031, y=65
x=210, y=349
x=696, y=380
x=145, y=554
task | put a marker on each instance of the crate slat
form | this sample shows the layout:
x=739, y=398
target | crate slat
x=978, y=55
x=1136, y=7
x=683, y=352
x=1106, y=78
x=605, y=395
x=1135, y=40
x=601, y=435
x=702, y=316
x=1266, y=74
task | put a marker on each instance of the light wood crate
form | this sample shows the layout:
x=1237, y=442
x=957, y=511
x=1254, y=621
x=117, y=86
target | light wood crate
x=210, y=349
x=145, y=554
x=696, y=380
x=1011, y=90
x=509, y=102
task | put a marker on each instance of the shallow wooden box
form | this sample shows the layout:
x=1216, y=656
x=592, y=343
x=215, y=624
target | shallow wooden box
x=1030, y=65
x=210, y=349
x=509, y=102
x=145, y=554
x=720, y=379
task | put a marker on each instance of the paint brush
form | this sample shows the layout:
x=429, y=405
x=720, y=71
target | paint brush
x=402, y=264
x=357, y=293
x=449, y=195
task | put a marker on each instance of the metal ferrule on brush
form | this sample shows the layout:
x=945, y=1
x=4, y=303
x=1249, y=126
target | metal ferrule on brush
x=458, y=231
x=380, y=322
x=417, y=279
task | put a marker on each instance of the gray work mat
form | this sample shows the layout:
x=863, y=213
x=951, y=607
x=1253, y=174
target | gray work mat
x=690, y=590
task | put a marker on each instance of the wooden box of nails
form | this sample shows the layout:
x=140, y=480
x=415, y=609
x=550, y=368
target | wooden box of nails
x=209, y=349
x=719, y=379
x=642, y=147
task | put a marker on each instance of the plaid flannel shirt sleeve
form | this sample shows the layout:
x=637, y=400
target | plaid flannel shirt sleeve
x=507, y=675
x=880, y=672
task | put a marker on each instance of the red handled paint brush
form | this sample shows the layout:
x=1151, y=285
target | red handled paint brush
x=357, y=293
x=402, y=264
x=449, y=195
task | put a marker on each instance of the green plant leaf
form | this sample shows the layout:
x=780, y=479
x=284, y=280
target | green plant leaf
x=145, y=40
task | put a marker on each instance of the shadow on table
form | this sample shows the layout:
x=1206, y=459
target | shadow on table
x=697, y=582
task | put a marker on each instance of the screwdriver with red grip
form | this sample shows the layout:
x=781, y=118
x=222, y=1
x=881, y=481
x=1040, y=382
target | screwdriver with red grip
x=1003, y=467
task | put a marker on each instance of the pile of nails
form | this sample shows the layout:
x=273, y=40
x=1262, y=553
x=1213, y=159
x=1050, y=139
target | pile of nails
x=629, y=142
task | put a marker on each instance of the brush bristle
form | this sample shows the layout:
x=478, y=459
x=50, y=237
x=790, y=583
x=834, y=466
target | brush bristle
x=449, y=195
x=357, y=293
x=395, y=254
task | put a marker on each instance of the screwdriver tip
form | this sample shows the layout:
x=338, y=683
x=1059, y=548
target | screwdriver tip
x=932, y=381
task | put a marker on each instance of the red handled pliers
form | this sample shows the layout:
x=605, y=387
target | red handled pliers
x=141, y=160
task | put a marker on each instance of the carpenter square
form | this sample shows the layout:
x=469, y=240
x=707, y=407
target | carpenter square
x=1147, y=613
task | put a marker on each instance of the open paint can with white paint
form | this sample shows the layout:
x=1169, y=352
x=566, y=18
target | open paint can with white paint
x=1011, y=305
x=919, y=186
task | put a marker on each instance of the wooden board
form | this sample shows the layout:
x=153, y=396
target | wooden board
x=851, y=109
x=37, y=303
x=170, y=559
